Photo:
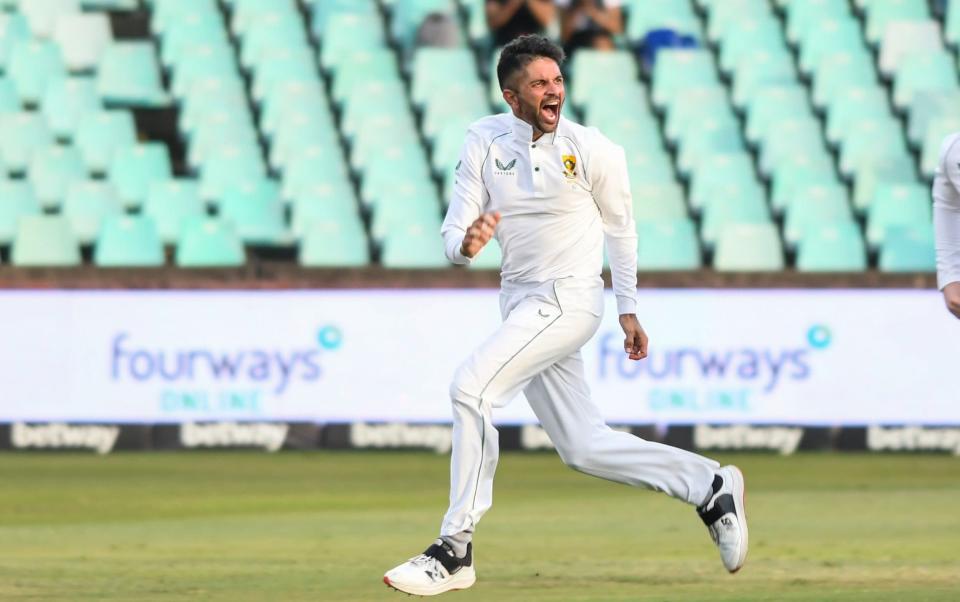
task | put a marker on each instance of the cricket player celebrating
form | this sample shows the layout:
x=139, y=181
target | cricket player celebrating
x=551, y=191
x=946, y=221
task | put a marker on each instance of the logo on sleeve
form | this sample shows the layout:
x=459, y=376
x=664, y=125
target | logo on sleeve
x=457, y=168
x=569, y=166
x=505, y=170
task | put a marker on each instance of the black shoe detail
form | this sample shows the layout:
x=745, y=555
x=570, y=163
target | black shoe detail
x=722, y=505
x=446, y=556
x=717, y=483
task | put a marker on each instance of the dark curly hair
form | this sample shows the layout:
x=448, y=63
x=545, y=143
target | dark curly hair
x=521, y=51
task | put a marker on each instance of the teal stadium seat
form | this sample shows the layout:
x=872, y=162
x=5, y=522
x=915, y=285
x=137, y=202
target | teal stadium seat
x=134, y=168
x=13, y=29
x=804, y=14
x=854, y=105
x=220, y=169
x=679, y=70
x=367, y=64
x=927, y=105
x=66, y=101
x=832, y=248
x=721, y=16
x=748, y=247
x=655, y=202
x=871, y=140
x=881, y=14
x=431, y=69
x=408, y=15
x=199, y=62
x=733, y=205
x=171, y=204
x=32, y=65
x=128, y=241
x=45, y=241
x=323, y=202
x=896, y=170
x=129, y=75
x=667, y=244
x=18, y=200
x=9, y=101
x=813, y=206
x=714, y=172
x=644, y=16
x=43, y=14
x=318, y=165
x=23, y=133
x=796, y=172
x=937, y=129
x=591, y=69
x=761, y=70
x=334, y=243
x=52, y=170
x=696, y=104
x=845, y=69
x=256, y=211
x=826, y=38
x=414, y=246
x=923, y=71
x=322, y=10
x=748, y=36
x=897, y=205
x=209, y=243
x=87, y=204
x=101, y=134
x=774, y=105
x=82, y=39
x=345, y=32
x=908, y=249
x=952, y=29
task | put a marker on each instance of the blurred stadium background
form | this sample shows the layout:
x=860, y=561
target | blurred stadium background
x=219, y=228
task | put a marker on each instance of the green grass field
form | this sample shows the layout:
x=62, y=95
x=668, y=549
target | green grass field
x=325, y=526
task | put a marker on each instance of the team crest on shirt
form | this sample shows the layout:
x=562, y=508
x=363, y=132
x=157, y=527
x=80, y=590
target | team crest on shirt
x=569, y=166
x=505, y=170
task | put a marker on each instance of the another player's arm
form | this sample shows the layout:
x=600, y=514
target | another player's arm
x=611, y=192
x=466, y=228
x=946, y=219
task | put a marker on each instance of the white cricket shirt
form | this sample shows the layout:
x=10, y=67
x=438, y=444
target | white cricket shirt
x=946, y=211
x=559, y=197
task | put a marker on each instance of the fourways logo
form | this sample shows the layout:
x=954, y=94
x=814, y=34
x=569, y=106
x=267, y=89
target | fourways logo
x=272, y=368
x=766, y=368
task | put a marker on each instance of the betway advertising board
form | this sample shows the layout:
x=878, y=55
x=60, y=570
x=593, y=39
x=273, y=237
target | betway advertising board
x=817, y=357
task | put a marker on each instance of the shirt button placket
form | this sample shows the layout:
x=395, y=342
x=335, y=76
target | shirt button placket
x=535, y=160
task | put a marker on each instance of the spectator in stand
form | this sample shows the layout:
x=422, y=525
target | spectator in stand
x=509, y=19
x=590, y=23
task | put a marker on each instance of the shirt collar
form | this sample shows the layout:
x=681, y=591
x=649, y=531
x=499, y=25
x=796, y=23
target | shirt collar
x=524, y=131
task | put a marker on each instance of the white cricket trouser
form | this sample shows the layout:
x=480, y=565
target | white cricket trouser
x=537, y=350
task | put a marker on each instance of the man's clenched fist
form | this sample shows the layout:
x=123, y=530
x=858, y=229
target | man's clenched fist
x=479, y=233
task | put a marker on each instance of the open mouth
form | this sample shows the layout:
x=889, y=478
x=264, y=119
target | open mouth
x=550, y=111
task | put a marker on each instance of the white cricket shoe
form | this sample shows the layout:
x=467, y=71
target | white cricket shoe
x=726, y=518
x=435, y=571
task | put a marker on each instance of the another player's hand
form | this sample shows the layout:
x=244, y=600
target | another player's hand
x=479, y=233
x=951, y=296
x=635, y=343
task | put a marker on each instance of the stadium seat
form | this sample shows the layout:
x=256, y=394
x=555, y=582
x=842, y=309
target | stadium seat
x=23, y=133
x=796, y=171
x=923, y=71
x=722, y=16
x=32, y=65
x=134, y=168
x=707, y=138
x=171, y=203
x=591, y=69
x=845, y=69
x=854, y=105
x=18, y=200
x=716, y=171
x=13, y=29
x=345, y=32
x=748, y=36
x=732, y=204
x=937, y=129
x=870, y=140
x=255, y=209
x=86, y=205
x=45, y=241
x=908, y=249
x=9, y=101
x=367, y=64
x=319, y=165
x=644, y=17
x=826, y=38
x=101, y=134
x=322, y=11
x=760, y=70
x=927, y=105
x=897, y=170
x=334, y=243
x=832, y=248
x=130, y=75
x=707, y=102
x=432, y=67
x=772, y=106
x=678, y=70
x=813, y=206
x=82, y=38
x=66, y=101
x=209, y=243
x=667, y=244
x=803, y=15
x=52, y=170
x=414, y=246
x=897, y=205
x=904, y=37
x=128, y=241
x=43, y=14
x=652, y=202
x=220, y=170
x=323, y=202
x=882, y=14
x=793, y=139
x=202, y=62
x=748, y=247
x=408, y=15
x=952, y=32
